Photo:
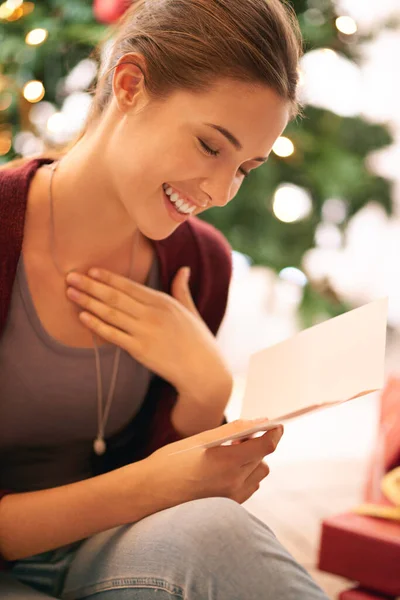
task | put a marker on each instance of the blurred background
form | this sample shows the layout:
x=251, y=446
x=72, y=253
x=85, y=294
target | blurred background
x=315, y=231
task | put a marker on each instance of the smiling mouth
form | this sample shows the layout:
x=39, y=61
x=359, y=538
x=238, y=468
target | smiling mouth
x=181, y=205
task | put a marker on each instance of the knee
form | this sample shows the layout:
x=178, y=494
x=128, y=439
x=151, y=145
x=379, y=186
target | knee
x=210, y=514
x=209, y=521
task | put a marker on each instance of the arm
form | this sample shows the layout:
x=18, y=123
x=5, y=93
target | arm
x=192, y=414
x=34, y=522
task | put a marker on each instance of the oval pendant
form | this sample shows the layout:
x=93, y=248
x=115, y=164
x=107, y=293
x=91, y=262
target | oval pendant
x=99, y=446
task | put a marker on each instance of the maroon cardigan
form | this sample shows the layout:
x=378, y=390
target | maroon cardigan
x=194, y=243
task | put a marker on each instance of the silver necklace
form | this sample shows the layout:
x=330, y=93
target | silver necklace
x=99, y=444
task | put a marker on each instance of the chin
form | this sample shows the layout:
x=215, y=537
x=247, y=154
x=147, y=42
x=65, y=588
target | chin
x=162, y=220
x=157, y=233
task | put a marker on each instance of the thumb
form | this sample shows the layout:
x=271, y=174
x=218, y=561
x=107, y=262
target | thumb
x=181, y=291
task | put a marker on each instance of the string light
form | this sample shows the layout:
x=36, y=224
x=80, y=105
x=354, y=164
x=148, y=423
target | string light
x=36, y=36
x=283, y=147
x=346, y=25
x=33, y=91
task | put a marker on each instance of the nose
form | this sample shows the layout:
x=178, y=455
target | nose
x=220, y=190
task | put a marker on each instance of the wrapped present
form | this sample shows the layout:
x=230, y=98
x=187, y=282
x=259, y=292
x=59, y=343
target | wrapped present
x=364, y=545
x=363, y=549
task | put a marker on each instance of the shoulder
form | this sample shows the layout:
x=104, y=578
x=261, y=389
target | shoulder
x=15, y=178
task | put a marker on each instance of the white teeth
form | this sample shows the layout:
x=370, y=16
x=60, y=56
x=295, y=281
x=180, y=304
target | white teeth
x=182, y=206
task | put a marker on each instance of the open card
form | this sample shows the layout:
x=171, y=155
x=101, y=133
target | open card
x=328, y=364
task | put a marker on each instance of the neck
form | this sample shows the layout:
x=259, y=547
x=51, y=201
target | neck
x=91, y=226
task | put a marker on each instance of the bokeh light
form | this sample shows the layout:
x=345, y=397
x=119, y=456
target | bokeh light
x=334, y=210
x=291, y=203
x=33, y=91
x=36, y=37
x=293, y=275
x=329, y=236
x=283, y=147
x=346, y=25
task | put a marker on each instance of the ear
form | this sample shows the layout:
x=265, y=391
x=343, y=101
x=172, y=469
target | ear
x=129, y=80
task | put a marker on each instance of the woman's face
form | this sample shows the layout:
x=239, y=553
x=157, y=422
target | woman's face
x=199, y=147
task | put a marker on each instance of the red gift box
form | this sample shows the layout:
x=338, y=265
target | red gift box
x=361, y=594
x=363, y=549
x=386, y=453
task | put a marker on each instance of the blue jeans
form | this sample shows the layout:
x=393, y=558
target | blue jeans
x=209, y=549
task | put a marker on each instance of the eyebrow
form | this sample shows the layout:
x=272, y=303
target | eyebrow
x=233, y=140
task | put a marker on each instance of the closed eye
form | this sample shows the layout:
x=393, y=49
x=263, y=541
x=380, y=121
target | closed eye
x=212, y=152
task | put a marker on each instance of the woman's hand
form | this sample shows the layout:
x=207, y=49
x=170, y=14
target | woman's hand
x=166, y=334
x=182, y=471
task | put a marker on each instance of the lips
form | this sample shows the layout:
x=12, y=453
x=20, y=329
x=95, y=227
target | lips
x=187, y=200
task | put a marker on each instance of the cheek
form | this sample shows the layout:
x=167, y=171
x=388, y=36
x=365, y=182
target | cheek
x=182, y=163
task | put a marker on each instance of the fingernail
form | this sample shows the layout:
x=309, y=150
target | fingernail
x=187, y=273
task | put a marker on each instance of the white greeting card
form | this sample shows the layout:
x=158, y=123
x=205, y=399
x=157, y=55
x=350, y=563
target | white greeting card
x=334, y=362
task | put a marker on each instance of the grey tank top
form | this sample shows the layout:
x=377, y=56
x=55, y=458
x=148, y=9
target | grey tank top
x=48, y=397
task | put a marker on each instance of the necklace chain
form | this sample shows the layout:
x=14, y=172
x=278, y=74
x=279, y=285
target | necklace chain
x=99, y=445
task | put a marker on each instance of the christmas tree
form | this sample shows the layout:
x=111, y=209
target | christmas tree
x=315, y=176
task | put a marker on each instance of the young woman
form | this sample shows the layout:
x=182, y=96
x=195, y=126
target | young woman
x=107, y=279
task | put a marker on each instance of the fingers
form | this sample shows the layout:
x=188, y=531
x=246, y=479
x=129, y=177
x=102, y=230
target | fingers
x=115, y=290
x=225, y=431
x=256, y=448
x=135, y=290
x=111, y=334
x=112, y=314
x=86, y=289
x=252, y=482
x=257, y=475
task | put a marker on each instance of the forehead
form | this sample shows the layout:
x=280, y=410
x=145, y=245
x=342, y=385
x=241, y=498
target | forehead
x=253, y=113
